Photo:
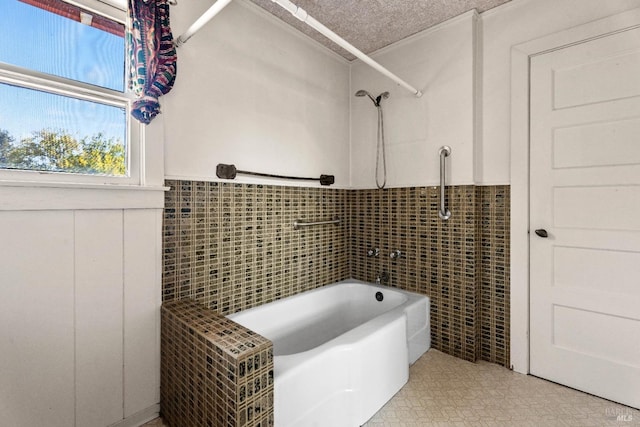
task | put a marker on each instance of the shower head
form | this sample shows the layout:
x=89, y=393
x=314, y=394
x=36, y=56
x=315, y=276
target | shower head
x=376, y=101
x=384, y=95
x=362, y=92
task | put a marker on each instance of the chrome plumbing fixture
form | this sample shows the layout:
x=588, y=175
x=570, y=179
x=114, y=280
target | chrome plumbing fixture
x=383, y=278
x=376, y=100
x=380, y=137
x=396, y=254
x=373, y=252
x=443, y=152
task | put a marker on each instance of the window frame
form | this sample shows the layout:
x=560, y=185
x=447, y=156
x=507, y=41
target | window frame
x=35, y=80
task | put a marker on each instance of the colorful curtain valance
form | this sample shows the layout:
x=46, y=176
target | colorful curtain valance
x=152, y=69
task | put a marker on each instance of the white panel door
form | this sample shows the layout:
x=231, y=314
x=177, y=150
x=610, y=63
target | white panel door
x=585, y=193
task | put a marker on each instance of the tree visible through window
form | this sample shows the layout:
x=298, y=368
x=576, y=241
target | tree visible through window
x=62, y=101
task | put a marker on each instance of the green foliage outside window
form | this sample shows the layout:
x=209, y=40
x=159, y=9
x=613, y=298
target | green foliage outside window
x=58, y=151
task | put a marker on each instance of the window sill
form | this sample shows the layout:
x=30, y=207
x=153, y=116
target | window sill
x=29, y=196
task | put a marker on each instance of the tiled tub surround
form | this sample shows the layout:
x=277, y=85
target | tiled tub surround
x=462, y=264
x=439, y=257
x=494, y=207
x=214, y=372
x=232, y=246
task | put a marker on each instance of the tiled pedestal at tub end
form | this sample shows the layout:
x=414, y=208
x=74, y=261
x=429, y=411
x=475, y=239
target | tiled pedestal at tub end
x=214, y=372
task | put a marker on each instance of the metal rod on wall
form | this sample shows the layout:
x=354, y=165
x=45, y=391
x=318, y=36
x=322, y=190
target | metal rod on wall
x=443, y=211
x=229, y=172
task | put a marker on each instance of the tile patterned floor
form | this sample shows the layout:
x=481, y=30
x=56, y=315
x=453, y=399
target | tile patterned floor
x=447, y=391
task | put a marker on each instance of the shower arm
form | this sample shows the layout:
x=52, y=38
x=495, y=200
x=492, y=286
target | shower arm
x=303, y=16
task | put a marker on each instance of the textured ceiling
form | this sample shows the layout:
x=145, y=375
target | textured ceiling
x=372, y=24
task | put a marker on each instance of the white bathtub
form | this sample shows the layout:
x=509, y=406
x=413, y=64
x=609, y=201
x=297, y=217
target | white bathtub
x=339, y=353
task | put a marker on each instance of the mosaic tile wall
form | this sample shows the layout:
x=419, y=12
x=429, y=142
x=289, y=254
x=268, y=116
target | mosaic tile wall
x=439, y=257
x=214, y=372
x=462, y=264
x=494, y=267
x=232, y=246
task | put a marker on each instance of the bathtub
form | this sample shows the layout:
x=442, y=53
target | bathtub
x=340, y=351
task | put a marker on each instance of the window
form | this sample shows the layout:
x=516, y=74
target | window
x=64, y=112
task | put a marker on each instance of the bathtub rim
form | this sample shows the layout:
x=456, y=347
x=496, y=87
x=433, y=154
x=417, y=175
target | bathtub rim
x=287, y=364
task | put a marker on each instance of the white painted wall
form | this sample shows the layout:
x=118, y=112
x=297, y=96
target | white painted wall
x=513, y=23
x=440, y=62
x=253, y=92
x=79, y=316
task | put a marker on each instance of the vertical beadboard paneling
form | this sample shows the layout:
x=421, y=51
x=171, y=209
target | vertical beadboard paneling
x=36, y=319
x=142, y=242
x=99, y=313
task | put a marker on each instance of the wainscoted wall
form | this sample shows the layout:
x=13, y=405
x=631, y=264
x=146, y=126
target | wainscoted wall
x=232, y=246
x=79, y=313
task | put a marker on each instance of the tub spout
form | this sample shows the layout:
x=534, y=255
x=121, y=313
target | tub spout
x=383, y=278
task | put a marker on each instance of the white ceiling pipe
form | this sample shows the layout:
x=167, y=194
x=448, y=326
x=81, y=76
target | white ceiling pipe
x=202, y=21
x=302, y=15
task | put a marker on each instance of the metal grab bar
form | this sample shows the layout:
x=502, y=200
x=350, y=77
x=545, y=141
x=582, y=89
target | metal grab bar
x=298, y=223
x=444, y=152
x=229, y=172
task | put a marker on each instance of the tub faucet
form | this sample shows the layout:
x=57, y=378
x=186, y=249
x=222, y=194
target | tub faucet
x=396, y=254
x=382, y=278
x=373, y=252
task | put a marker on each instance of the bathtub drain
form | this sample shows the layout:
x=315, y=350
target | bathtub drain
x=379, y=296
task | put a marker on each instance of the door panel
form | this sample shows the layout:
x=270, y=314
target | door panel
x=605, y=78
x=604, y=208
x=585, y=191
x=581, y=146
x=595, y=265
